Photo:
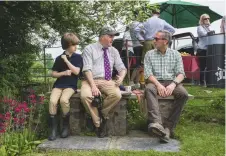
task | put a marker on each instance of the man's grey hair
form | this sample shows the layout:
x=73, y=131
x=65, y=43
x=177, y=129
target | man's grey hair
x=166, y=35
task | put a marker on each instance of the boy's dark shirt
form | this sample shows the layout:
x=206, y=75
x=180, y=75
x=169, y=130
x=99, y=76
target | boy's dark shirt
x=60, y=65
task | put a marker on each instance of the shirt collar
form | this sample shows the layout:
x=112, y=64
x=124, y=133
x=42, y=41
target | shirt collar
x=100, y=46
x=167, y=51
x=64, y=53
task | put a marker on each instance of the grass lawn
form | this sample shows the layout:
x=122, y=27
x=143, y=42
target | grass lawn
x=201, y=129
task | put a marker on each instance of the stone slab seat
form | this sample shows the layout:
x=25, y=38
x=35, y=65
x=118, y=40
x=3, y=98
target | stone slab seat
x=117, y=125
x=165, y=105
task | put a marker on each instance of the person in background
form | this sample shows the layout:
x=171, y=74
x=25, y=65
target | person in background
x=202, y=30
x=136, y=32
x=99, y=59
x=151, y=27
x=164, y=72
x=127, y=44
x=66, y=69
x=223, y=25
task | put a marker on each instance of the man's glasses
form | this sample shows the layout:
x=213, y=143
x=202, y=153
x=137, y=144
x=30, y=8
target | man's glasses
x=156, y=38
x=206, y=18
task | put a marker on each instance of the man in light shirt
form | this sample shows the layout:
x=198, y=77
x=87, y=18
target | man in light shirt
x=99, y=59
x=164, y=71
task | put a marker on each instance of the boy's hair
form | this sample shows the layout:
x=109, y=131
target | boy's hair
x=69, y=39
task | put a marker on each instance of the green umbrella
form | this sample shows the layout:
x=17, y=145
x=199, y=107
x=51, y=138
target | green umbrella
x=181, y=14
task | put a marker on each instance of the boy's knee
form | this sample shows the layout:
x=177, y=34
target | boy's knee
x=64, y=101
x=53, y=102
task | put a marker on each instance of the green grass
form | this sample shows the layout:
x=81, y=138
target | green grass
x=201, y=129
x=197, y=139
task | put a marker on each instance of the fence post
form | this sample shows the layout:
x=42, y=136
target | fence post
x=44, y=49
x=127, y=57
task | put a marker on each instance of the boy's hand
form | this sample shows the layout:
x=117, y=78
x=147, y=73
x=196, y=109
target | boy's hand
x=64, y=57
x=67, y=72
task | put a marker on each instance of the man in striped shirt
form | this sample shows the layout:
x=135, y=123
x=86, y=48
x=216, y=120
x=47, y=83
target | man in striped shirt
x=164, y=72
x=99, y=59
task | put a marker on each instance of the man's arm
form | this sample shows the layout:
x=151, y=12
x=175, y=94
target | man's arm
x=179, y=71
x=119, y=65
x=138, y=30
x=87, y=70
x=169, y=27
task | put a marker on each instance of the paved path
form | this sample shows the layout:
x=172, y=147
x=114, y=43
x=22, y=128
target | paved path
x=135, y=141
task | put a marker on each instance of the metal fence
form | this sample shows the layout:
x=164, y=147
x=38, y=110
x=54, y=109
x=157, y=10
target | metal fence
x=214, y=72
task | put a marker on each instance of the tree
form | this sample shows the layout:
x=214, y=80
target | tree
x=24, y=25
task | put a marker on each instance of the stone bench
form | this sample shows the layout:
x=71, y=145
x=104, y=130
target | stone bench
x=164, y=103
x=118, y=121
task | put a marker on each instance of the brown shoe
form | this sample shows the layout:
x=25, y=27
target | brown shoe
x=157, y=129
x=166, y=138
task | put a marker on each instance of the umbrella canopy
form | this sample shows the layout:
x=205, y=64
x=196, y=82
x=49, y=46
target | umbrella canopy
x=181, y=14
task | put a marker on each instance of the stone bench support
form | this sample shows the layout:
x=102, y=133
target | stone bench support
x=117, y=125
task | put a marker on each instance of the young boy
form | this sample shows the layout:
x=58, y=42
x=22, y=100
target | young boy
x=66, y=69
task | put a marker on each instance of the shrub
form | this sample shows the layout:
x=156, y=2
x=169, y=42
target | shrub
x=19, y=122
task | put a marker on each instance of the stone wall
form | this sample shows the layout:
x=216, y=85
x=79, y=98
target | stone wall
x=117, y=124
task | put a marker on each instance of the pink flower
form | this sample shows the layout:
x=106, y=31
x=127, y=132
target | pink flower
x=23, y=105
x=42, y=98
x=7, y=116
x=18, y=109
x=2, y=116
x=2, y=130
x=33, y=101
x=32, y=96
x=16, y=120
x=27, y=110
x=22, y=120
x=31, y=91
x=2, y=124
x=13, y=103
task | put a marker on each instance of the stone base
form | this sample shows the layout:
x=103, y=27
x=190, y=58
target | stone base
x=117, y=124
x=137, y=141
x=165, y=105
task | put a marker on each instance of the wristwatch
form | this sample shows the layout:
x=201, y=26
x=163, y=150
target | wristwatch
x=176, y=83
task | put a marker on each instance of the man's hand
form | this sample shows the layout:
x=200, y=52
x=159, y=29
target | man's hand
x=170, y=88
x=64, y=57
x=67, y=72
x=161, y=90
x=119, y=80
x=95, y=91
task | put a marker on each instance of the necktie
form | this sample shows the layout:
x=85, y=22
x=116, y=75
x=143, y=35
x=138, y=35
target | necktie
x=107, y=67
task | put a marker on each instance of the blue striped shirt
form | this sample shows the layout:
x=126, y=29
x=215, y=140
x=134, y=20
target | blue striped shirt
x=153, y=25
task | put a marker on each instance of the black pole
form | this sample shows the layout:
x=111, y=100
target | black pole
x=44, y=57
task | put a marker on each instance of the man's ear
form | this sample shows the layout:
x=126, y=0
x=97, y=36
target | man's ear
x=166, y=42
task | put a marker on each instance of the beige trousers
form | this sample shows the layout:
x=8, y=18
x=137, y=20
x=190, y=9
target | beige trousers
x=64, y=95
x=112, y=96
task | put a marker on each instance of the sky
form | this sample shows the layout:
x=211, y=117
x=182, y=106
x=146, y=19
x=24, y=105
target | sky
x=218, y=6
